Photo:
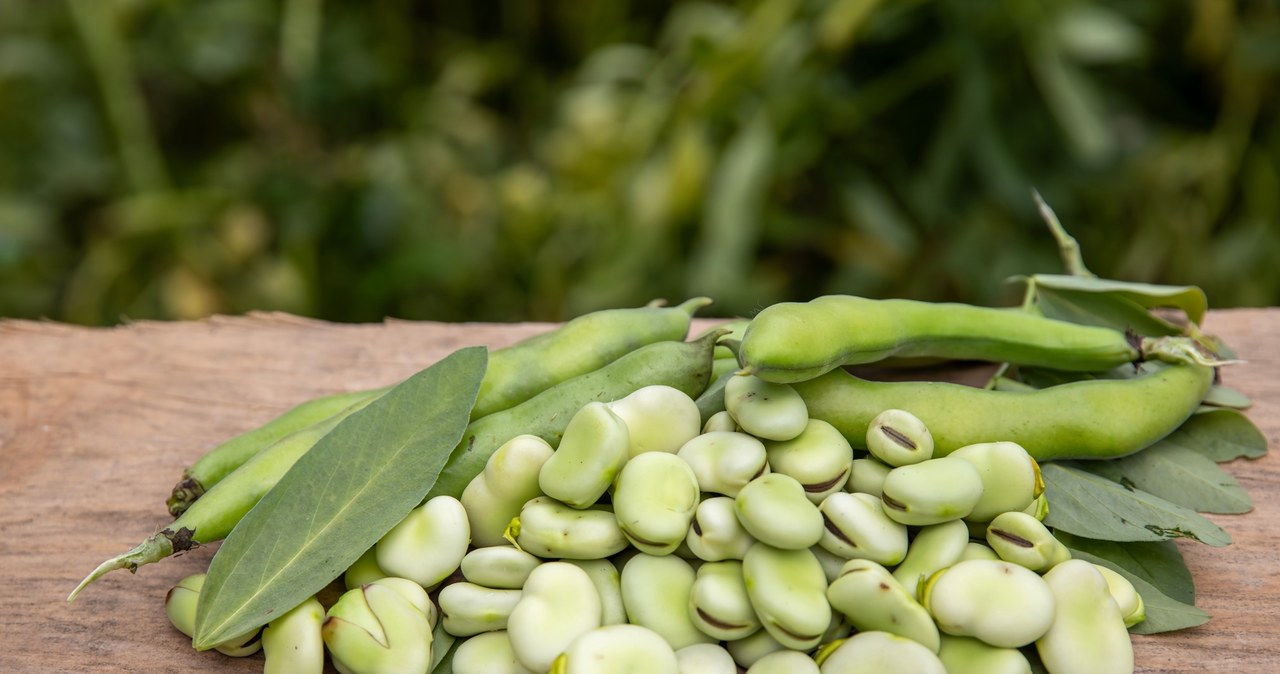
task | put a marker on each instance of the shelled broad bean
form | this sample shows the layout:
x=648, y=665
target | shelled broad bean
x=869, y=568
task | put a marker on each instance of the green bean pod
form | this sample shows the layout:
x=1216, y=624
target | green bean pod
x=681, y=365
x=514, y=374
x=581, y=345
x=224, y=459
x=792, y=342
x=1091, y=419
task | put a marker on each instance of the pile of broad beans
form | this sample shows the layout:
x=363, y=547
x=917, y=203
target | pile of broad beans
x=628, y=501
x=648, y=541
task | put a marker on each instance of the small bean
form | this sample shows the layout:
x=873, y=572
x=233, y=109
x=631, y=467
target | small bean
x=180, y=605
x=487, y=653
x=715, y=532
x=866, y=476
x=1132, y=608
x=658, y=418
x=550, y=529
x=292, y=643
x=721, y=421
x=718, y=601
x=1087, y=634
x=1022, y=539
x=899, y=438
x=1000, y=603
x=966, y=655
x=558, y=604
x=766, y=410
x=1039, y=508
x=784, y=662
x=467, y=609
x=428, y=544
x=1010, y=477
x=705, y=659
x=878, y=653
x=618, y=649
x=869, y=596
x=604, y=575
x=363, y=570
x=931, y=492
x=725, y=461
x=857, y=527
x=773, y=508
x=747, y=650
x=934, y=548
x=377, y=629
x=502, y=567
x=594, y=448
x=819, y=459
x=975, y=550
x=654, y=501
x=789, y=592
x=509, y=479
x=655, y=591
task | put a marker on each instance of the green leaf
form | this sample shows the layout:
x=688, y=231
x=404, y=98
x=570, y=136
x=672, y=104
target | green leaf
x=1177, y=474
x=1222, y=435
x=1107, y=310
x=357, y=483
x=1190, y=299
x=1164, y=613
x=1087, y=505
x=1225, y=396
x=1159, y=563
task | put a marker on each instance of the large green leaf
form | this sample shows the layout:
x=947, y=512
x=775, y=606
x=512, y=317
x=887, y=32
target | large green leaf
x=1102, y=309
x=1088, y=505
x=1190, y=299
x=1221, y=435
x=357, y=483
x=1177, y=474
x=1225, y=396
x=1164, y=613
x=1159, y=563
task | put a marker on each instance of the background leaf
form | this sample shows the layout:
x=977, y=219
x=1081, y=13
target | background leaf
x=1101, y=309
x=1095, y=507
x=1190, y=299
x=1225, y=396
x=1222, y=435
x=356, y=484
x=1177, y=474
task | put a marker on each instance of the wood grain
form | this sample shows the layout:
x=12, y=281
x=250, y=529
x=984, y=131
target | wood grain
x=97, y=424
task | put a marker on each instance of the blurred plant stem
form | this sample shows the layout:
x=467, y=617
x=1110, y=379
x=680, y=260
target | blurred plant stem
x=98, y=23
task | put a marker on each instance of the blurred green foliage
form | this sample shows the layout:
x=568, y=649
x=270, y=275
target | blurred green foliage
x=516, y=160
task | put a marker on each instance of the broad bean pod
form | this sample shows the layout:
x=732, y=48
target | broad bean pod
x=792, y=342
x=583, y=344
x=514, y=374
x=224, y=459
x=1090, y=419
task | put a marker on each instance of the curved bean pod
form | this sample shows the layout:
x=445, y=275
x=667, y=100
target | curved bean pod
x=583, y=344
x=1092, y=419
x=791, y=342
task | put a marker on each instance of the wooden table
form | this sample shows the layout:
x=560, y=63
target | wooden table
x=97, y=424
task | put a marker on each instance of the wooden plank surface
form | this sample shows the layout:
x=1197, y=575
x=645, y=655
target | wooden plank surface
x=97, y=424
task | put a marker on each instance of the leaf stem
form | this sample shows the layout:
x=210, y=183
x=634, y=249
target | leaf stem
x=1068, y=247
